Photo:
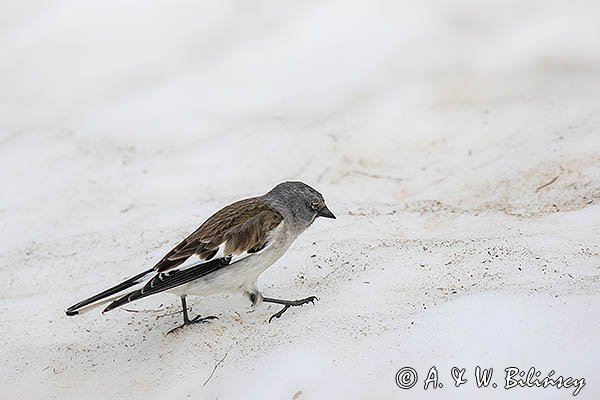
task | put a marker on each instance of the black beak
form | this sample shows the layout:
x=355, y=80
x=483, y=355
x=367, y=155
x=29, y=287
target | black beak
x=324, y=212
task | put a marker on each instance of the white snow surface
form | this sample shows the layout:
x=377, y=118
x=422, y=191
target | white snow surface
x=458, y=143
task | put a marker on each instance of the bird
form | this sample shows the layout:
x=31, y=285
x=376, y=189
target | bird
x=226, y=254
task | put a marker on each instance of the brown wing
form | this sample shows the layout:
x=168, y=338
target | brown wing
x=243, y=226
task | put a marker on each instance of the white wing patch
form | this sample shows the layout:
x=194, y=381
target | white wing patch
x=196, y=260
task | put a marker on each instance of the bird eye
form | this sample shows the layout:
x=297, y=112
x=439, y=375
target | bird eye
x=315, y=205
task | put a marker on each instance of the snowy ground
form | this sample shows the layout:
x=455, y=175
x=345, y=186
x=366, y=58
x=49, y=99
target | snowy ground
x=458, y=143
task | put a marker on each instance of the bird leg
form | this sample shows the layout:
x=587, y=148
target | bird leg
x=287, y=304
x=187, y=320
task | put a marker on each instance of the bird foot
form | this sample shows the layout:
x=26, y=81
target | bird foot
x=195, y=320
x=287, y=304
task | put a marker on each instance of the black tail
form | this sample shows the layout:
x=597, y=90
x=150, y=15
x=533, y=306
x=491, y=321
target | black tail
x=76, y=308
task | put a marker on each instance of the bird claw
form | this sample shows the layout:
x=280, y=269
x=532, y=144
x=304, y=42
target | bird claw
x=195, y=320
x=204, y=320
x=279, y=313
x=293, y=303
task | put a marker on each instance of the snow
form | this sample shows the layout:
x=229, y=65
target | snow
x=457, y=142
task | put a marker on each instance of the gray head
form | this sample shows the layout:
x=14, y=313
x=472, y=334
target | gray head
x=298, y=203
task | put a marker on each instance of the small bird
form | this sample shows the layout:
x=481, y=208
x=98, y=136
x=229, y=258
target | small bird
x=226, y=254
